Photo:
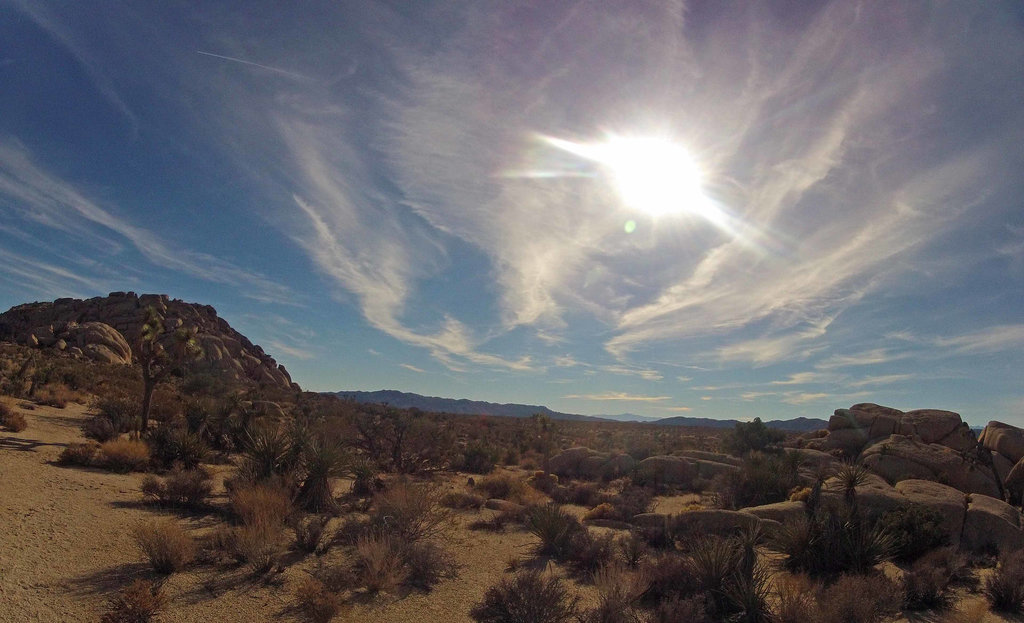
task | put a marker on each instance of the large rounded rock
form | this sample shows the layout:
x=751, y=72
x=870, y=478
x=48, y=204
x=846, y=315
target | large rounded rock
x=950, y=502
x=874, y=497
x=712, y=456
x=931, y=425
x=901, y=458
x=668, y=470
x=782, y=512
x=567, y=462
x=710, y=469
x=694, y=524
x=1004, y=439
x=991, y=524
x=101, y=341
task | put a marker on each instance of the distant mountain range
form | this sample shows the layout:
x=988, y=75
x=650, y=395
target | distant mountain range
x=407, y=400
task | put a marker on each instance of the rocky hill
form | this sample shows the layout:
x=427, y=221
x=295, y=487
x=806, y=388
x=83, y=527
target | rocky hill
x=105, y=329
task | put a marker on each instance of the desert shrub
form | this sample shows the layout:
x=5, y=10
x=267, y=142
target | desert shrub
x=316, y=602
x=266, y=453
x=54, y=395
x=581, y=493
x=588, y=553
x=410, y=512
x=171, y=446
x=669, y=576
x=479, y=458
x=309, y=532
x=691, y=609
x=121, y=411
x=261, y=504
x=379, y=564
x=794, y=601
x=138, y=603
x=427, y=564
x=12, y=420
x=619, y=593
x=761, y=479
x=259, y=545
x=461, y=500
x=858, y=599
x=124, y=455
x=100, y=429
x=187, y=489
x=1004, y=589
x=543, y=482
x=352, y=529
x=81, y=454
x=556, y=530
x=633, y=549
x=502, y=486
x=604, y=510
x=832, y=542
x=165, y=544
x=747, y=437
x=631, y=501
x=915, y=530
x=924, y=588
x=526, y=598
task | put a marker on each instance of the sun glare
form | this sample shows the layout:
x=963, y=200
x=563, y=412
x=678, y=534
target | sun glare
x=652, y=175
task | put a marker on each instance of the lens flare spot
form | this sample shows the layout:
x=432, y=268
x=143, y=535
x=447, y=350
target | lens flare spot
x=630, y=227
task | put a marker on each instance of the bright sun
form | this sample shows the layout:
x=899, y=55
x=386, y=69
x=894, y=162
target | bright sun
x=652, y=175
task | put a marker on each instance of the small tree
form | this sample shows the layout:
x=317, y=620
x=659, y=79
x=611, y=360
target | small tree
x=156, y=361
x=748, y=437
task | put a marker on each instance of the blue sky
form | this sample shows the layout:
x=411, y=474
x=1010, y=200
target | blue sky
x=433, y=197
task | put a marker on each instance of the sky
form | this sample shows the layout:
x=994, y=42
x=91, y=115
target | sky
x=710, y=209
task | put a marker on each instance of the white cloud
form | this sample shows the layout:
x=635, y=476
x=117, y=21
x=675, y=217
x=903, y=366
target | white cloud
x=874, y=356
x=619, y=396
x=409, y=366
x=989, y=340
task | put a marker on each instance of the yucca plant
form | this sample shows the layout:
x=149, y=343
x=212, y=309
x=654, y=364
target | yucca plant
x=320, y=462
x=555, y=528
x=265, y=455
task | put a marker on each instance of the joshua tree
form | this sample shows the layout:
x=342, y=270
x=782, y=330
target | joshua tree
x=155, y=360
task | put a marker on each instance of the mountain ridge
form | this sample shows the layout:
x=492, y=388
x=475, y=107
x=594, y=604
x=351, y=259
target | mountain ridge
x=464, y=406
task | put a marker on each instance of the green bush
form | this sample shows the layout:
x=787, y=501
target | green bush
x=761, y=479
x=747, y=437
x=479, y=458
x=556, y=530
x=832, y=542
x=915, y=529
x=171, y=446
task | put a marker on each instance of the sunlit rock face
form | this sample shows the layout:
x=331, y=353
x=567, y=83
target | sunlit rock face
x=106, y=329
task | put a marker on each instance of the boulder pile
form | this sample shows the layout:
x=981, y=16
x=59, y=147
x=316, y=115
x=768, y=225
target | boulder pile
x=106, y=329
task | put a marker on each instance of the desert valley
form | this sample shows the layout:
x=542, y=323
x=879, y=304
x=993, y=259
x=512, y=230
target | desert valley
x=242, y=497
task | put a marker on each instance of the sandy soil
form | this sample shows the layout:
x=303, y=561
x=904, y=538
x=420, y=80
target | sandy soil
x=66, y=546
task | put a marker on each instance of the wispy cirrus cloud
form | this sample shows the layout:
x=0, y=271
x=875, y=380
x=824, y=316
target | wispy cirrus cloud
x=409, y=366
x=30, y=192
x=988, y=340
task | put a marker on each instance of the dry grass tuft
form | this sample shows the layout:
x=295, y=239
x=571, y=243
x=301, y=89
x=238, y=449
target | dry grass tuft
x=124, y=455
x=379, y=564
x=138, y=603
x=188, y=489
x=168, y=547
x=316, y=601
x=527, y=596
x=1004, y=589
x=12, y=420
x=260, y=545
x=81, y=454
x=261, y=504
x=410, y=512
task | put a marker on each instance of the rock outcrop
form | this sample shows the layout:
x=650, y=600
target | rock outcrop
x=582, y=462
x=106, y=328
x=1005, y=444
x=852, y=430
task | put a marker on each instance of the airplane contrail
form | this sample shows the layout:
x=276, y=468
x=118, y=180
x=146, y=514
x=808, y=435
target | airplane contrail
x=245, y=62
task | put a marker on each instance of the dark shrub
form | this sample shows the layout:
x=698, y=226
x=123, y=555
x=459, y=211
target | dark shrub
x=11, y=420
x=858, y=599
x=831, y=542
x=747, y=437
x=1004, y=589
x=588, y=553
x=526, y=598
x=188, y=489
x=479, y=459
x=670, y=577
x=502, y=486
x=122, y=411
x=317, y=602
x=915, y=530
x=138, y=603
x=309, y=532
x=100, y=429
x=676, y=610
x=761, y=479
x=81, y=454
x=461, y=500
x=173, y=446
x=427, y=564
x=556, y=530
